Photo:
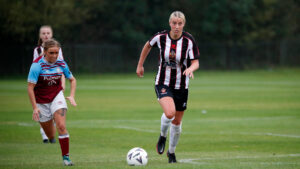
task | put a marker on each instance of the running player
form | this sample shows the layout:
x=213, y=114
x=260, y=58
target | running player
x=179, y=56
x=45, y=34
x=46, y=95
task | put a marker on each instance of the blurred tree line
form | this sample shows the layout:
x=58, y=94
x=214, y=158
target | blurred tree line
x=135, y=21
x=230, y=33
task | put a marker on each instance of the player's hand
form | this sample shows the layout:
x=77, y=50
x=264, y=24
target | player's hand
x=140, y=71
x=72, y=100
x=36, y=114
x=188, y=72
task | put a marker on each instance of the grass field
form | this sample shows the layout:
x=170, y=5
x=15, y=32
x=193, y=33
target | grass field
x=248, y=119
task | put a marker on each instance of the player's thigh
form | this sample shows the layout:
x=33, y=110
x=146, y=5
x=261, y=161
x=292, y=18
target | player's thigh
x=168, y=106
x=60, y=118
x=165, y=98
x=48, y=127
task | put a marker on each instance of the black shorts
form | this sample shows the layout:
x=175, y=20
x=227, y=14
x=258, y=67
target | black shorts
x=180, y=96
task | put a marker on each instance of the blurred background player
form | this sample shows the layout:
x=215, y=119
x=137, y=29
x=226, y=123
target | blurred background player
x=46, y=94
x=46, y=33
x=179, y=56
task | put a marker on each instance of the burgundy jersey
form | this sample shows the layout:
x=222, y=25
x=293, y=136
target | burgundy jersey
x=47, y=78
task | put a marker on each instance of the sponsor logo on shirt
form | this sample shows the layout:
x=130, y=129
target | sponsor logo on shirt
x=163, y=91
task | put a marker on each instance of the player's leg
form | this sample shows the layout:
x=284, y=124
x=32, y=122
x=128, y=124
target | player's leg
x=60, y=120
x=49, y=129
x=59, y=110
x=43, y=134
x=46, y=121
x=180, y=99
x=167, y=104
x=175, y=131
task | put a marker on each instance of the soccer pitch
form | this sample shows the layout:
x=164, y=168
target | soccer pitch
x=247, y=119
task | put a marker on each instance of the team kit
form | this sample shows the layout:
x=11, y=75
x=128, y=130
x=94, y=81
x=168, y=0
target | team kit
x=178, y=59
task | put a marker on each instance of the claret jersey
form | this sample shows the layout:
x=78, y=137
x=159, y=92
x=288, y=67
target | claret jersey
x=175, y=57
x=47, y=78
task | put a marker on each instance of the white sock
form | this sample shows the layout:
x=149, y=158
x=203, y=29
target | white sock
x=175, y=131
x=44, y=136
x=165, y=124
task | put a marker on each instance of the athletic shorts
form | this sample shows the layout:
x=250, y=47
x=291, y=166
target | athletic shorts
x=180, y=96
x=47, y=110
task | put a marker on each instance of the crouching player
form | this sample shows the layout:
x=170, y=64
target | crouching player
x=46, y=96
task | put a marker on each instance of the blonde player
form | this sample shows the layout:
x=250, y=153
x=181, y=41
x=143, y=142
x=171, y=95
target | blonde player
x=179, y=56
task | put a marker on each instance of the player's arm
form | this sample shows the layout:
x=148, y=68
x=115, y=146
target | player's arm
x=63, y=82
x=194, y=66
x=140, y=68
x=30, y=89
x=71, y=98
x=63, y=78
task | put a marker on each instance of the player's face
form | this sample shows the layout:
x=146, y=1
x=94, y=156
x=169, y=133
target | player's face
x=51, y=54
x=176, y=25
x=45, y=34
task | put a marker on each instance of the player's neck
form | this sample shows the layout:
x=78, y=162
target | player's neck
x=175, y=36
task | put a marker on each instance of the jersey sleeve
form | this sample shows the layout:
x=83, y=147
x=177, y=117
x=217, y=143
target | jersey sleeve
x=153, y=40
x=194, y=50
x=34, y=73
x=35, y=54
x=60, y=54
x=67, y=71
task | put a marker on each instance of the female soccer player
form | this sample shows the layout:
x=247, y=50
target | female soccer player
x=46, y=96
x=179, y=56
x=45, y=34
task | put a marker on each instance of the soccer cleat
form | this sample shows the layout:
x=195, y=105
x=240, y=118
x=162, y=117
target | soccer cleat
x=45, y=141
x=52, y=141
x=160, y=146
x=172, y=157
x=67, y=161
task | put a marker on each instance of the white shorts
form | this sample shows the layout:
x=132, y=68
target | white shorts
x=47, y=110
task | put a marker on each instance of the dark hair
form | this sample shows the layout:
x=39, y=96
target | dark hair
x=50, y=43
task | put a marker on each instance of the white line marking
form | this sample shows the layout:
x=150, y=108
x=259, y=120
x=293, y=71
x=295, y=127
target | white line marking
x=25, y=124
x=198, y=160
x=136, y=129
x=272, y=134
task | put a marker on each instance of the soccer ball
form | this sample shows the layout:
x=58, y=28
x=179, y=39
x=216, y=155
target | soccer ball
x=137, y=156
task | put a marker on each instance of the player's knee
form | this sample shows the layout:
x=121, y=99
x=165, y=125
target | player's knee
x=61, y=128
x=176, y=122
x=170, y=114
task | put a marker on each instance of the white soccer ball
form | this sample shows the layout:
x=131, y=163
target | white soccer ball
x=137, y=156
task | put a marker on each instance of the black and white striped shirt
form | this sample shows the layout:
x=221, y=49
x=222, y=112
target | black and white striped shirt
x=175, y=57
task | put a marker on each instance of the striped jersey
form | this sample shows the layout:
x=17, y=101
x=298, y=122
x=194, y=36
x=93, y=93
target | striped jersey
x=175, y=57
x=47, y=78
x=39, y=50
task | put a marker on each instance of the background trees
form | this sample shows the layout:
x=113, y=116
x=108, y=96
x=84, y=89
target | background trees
x=220, y=26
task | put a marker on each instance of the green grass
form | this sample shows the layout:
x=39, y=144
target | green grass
x=252, y=120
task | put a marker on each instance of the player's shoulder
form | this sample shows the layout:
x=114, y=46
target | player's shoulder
x=35, y=66
x=164, y=32
x=38, y=59
x=61, y=63
x=188, y=35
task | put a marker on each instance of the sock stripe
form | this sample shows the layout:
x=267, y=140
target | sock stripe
x=63, y=136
